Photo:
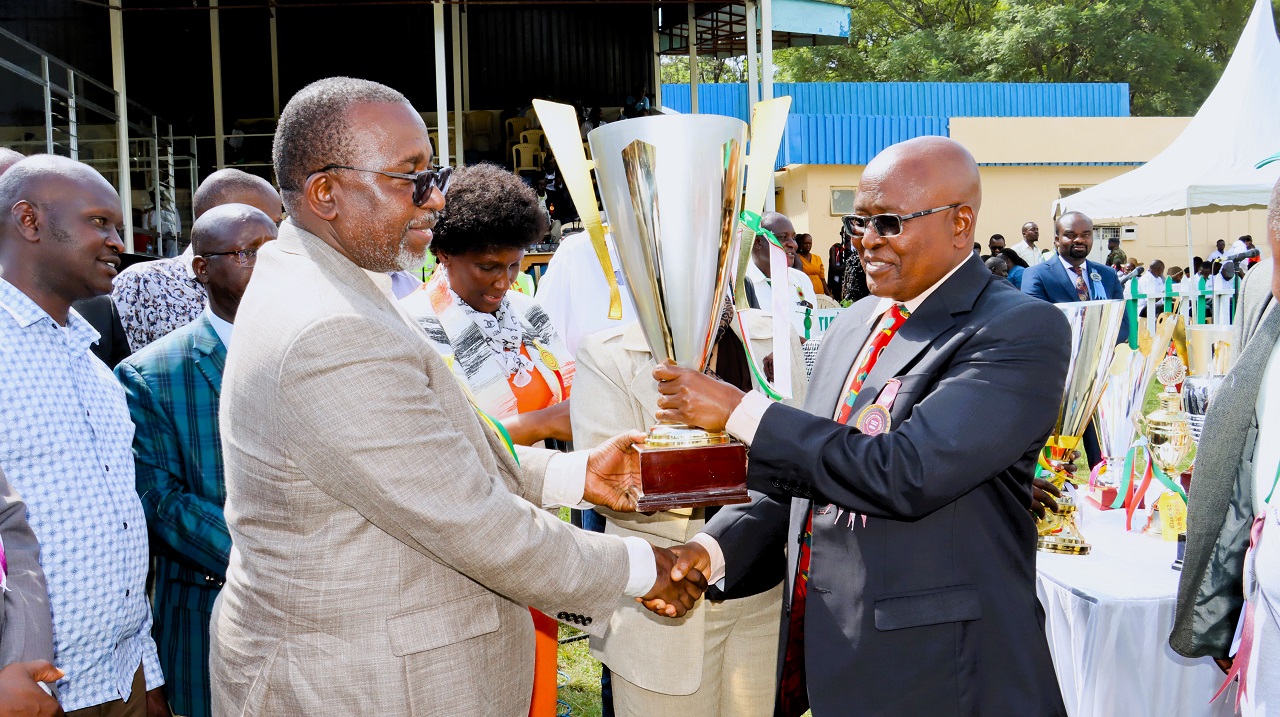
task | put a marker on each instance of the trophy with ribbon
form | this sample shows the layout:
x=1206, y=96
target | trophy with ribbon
x=672, y=188
x=1119, y=406
x=1168, y=433
x=1094, y=327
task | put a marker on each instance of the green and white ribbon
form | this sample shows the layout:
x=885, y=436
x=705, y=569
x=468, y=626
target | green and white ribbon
x=780, y=387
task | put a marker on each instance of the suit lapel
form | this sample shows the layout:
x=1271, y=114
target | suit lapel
x=934, y=317
x=1065, y=280
x=840, y=347
x=211, y=355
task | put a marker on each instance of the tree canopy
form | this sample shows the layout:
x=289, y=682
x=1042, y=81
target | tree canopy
x=1171, y=52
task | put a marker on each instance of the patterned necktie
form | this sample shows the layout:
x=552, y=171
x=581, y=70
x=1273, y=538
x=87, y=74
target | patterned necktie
x=1082, y=290
x=793, y=694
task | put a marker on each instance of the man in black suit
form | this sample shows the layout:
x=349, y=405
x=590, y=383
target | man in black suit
x=1072, y=277
x=920, y=584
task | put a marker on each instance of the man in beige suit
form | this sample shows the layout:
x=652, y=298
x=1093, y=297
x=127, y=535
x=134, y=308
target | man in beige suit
x=386, y=543
x=720, y=658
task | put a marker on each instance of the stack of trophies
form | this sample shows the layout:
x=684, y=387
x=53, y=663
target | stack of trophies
x=1140, y=445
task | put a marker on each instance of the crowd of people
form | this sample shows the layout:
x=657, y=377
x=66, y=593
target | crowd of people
x=340, y=478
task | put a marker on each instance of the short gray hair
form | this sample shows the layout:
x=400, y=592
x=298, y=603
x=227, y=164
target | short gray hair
x=314, y=129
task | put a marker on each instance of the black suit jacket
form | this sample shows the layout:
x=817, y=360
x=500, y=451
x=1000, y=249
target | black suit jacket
x=1051, y=282
x=101, y=313
x=922, y=582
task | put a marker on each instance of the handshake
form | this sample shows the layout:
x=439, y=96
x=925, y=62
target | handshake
x=682, y=578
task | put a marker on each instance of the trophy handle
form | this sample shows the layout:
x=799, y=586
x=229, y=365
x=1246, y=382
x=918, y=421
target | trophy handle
x=768, y=121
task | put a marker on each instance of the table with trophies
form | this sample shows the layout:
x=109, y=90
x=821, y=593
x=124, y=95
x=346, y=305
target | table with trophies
x=1107, y=575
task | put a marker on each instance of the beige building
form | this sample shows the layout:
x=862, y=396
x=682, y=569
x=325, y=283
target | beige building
x=1026, y=164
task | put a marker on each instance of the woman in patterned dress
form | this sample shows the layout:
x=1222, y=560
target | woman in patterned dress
x=500, y=344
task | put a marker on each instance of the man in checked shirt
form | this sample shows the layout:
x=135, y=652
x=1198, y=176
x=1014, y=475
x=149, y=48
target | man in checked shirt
x=66, y=437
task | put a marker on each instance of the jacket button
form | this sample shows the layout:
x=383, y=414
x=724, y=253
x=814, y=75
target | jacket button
x=588, y=621
x=562, y=616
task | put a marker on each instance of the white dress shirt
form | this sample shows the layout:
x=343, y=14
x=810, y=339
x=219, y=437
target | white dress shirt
x=220, y=327
x=1150, y=284
x=565, y=481
x=574, y=293
x=1262, y=566
x=800, y=284
x=1029, y=254
x=1266, y=461
x=745, y=419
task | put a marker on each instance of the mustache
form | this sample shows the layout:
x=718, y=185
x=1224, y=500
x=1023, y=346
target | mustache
x=426, y=221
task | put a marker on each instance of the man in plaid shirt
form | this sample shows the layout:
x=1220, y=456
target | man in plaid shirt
x=172, y=387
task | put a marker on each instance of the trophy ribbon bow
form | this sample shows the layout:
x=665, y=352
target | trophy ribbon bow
x=780, y=387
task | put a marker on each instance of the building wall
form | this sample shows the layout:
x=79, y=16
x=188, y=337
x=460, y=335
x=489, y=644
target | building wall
x=1017, y=190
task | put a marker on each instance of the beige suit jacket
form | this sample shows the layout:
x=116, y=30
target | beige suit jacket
x=614, y=391
x=385, y=546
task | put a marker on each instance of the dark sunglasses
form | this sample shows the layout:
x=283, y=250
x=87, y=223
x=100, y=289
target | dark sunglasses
x=422, y=181
x=886, y=225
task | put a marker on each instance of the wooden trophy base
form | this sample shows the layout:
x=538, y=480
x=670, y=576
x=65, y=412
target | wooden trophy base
x=692, y=477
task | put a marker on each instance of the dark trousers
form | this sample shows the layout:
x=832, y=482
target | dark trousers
x=135, y=706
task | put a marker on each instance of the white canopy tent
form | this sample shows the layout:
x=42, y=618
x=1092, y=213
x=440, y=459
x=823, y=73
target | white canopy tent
x=1212, y=163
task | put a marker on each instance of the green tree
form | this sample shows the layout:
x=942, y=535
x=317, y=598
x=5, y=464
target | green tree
x=675, y=69
x=1171, y=52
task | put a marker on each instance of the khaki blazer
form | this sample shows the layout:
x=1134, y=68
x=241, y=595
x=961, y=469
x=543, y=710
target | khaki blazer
x=614, y=391
x=386, y=547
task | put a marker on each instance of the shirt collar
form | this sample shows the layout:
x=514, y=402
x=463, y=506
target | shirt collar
x=754, y=273
x=27, y=313
x=1071, y=270
x=220, y=327
x=912, y=304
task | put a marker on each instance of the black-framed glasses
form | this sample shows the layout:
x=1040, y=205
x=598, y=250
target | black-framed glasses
x=244, y=257
x=422, y=181
x=886, y=225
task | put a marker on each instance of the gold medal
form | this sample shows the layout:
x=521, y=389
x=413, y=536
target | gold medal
x=548, y=358
x=873, y=420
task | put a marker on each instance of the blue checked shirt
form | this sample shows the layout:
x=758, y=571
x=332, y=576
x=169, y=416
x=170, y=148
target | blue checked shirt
x=66, y=444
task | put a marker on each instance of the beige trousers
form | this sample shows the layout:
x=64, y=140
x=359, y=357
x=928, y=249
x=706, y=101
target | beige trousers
x=739, y=665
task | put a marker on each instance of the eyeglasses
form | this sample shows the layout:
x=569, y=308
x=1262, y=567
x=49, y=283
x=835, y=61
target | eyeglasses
x=422, y=181
x=244, y=257
x=886, y=225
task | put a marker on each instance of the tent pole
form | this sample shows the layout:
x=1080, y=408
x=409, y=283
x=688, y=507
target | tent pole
x=442, y=87
x=693, y=59
x=753, y=89
x=1190, y=245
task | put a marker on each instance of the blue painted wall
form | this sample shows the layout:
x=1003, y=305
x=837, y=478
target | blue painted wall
x=930, y=99
x=850, y=122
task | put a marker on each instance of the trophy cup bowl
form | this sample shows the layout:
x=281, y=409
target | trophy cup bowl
x=672, y=192
x=1114, y=421
x=1094, y=328
x=1209, y=356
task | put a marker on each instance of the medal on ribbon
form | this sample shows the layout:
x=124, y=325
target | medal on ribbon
x=875, y=419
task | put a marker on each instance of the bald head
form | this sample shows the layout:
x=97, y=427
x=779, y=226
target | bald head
x=785, y=232
x=8, y=158
x=927, y=174
x=226, y=240
x=59, y=231
x=233, y=186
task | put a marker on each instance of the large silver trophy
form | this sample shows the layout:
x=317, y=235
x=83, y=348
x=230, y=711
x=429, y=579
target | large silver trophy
x=1210, y=354
x=672, y=191
x=1094, y=327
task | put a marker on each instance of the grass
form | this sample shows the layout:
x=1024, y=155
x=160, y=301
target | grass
x=582, y=691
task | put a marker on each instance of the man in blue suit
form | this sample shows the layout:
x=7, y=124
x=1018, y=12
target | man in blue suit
x=172, y=387
x=1074, y=278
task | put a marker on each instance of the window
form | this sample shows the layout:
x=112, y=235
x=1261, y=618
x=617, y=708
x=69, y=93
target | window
x=1102, y=235
x=1067, y=190
x=842, y=200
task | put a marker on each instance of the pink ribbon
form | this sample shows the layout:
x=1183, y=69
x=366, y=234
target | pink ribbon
x=1240, y=665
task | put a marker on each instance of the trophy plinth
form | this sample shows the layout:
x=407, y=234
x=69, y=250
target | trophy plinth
x=1059, y=532
x=686, y=467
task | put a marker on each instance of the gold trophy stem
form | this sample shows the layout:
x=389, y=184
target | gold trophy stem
x=678, y=435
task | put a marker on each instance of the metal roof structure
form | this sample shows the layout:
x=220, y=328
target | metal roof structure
x=722, y=28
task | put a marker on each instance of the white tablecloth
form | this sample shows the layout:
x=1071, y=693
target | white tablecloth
x=1108, y=617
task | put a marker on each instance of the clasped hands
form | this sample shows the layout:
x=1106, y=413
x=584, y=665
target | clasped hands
x=682, y=572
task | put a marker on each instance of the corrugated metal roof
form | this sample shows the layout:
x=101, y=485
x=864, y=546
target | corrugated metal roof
x=850, y=139
x=928, y=99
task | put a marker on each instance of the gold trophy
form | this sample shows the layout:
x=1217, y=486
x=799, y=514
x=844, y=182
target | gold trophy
x=1169, y=441
x=1094, y=327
